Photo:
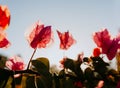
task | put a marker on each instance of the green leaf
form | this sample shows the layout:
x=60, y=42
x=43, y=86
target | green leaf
x=42, y=82
x=30, y=82
x=62, y=74
x=5, y=77
x=40, y=67
x=45, y=61
x=10, y=83
x=56, y=81
x=2, y=61
x=18, y=80
x=36, y=82
x=69, y=63
x=23, y=82
x=68, y=83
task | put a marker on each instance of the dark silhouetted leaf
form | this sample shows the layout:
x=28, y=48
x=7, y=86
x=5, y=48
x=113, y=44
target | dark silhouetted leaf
x=69, y=63
x=2, y=61
x=45, y=61
x=41, y=65
x=6, y=78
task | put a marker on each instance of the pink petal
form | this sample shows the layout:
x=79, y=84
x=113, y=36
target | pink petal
x=35, y=32
x=42, y=39
x=66, y=40
x=108, y=45
x=4, y=43
x=40, y=36
x=4, y=17
x=102, y=38
x=113, y=48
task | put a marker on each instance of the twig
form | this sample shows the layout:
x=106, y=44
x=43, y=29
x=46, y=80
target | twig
x=31, y=58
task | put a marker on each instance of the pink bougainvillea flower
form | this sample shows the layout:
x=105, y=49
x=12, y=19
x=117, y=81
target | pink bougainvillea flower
x=4, y=17
x=40, y=36
x=15, y=63
x=66, y=40
x=96, y=51
x=108, y=45
x=4, y=43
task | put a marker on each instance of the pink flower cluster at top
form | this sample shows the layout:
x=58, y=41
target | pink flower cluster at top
x=15, y=63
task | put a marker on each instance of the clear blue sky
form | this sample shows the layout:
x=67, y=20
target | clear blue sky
x=80, y=17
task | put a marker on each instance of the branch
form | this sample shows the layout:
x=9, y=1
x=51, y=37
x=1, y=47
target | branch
x=27, y=71
x=4, y=72
x=31, y=58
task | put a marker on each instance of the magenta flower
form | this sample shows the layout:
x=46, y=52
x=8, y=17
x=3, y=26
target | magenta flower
x=108, y=44
x=4, y=17
x=40, y=36
x=66, y=40
x=15, y=63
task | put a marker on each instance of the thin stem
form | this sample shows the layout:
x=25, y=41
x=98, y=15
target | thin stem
x=31, y=58
x=35, y=80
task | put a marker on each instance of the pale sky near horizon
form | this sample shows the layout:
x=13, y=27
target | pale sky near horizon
x=80, y=17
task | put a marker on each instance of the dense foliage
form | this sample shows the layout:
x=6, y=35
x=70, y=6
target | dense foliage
x=71, y=76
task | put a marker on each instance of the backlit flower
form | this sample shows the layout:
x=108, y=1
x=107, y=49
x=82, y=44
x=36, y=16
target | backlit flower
x=4, y=17
x=66, y=40
x=40, y=36
x=15, y=63
x=108, y=44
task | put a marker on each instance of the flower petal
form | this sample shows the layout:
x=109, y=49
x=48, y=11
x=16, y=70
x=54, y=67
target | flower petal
x=66, y=40
x=4, y=43
x=40, y=36
x=4, y=17
x=108, y=45
x=42, y=39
